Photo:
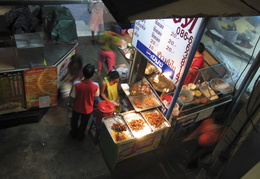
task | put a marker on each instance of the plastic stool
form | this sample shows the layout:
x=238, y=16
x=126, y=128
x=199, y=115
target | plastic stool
x=94, y=125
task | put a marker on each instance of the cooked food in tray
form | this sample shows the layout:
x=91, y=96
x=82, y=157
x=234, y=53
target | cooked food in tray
x=144, y=102
x=118, y=127
x=138, y=103
x=149, y=102
x=155, y=119
x=120, y=136
x=136, y=124
x=141, y=87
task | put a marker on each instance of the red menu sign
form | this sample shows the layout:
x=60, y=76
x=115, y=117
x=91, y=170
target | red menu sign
x=41, y=87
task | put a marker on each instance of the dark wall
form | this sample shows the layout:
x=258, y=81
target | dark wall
x=122, y=9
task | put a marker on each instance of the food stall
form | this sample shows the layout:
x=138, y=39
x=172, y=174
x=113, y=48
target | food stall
x=145, y=121
x=156, y=78
x=29, y=77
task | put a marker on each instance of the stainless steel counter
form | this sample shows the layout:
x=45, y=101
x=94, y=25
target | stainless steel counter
x=32, y=52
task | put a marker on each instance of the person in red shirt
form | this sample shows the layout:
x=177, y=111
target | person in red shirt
x=207, y=135
x=82, y=97
x=197, y=63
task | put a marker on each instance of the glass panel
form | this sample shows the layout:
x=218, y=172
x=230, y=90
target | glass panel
x=235, y=42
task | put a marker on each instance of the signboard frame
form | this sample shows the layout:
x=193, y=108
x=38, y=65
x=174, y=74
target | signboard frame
x=167, y=43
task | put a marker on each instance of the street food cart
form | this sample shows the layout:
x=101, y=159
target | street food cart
x=164, y=51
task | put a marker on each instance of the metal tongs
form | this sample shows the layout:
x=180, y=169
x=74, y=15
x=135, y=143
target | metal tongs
x=117, y=115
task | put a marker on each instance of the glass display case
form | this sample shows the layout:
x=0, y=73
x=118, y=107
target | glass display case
x=213, y=86
x=235, y=42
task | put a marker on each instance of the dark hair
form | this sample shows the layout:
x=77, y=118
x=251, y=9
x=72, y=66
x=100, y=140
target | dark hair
x=201, y=48
x=75, y=59
x=88, y=70
x=113, y=75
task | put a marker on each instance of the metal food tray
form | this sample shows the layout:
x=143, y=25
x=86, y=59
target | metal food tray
x=156, y=102
x=129, y=116
x=165, y=124
x=108, y=121
x=219, y=85
x=163, y=83
x=208, y=92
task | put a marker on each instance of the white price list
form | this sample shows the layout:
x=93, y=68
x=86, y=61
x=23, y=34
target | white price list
x=169, y=39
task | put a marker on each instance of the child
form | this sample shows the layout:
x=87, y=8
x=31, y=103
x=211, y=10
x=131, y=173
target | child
x=82, y=97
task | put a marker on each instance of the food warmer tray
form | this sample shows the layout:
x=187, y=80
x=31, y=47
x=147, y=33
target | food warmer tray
x=156, y=102
x=163, y=83
x=131, y=115
x=165, y=123
x=208, y=92
x=108, y=121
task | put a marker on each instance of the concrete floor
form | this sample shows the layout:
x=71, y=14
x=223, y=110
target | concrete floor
x=45, y=150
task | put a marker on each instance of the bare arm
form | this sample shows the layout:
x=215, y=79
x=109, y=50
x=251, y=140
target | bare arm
x=102, y=91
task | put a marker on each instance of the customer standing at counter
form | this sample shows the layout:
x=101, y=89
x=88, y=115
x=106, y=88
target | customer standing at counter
x=197, y=63
x=109, y=89
x=82, y=97
x=74, y=74
x=75, y=68
x=108, y=42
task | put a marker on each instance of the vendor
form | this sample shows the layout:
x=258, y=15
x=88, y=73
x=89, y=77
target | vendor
x=197, y=63
x=109, y=89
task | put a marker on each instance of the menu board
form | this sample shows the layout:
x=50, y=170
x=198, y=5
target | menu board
x=166, y=43
x=11, y=92
x=41, y=87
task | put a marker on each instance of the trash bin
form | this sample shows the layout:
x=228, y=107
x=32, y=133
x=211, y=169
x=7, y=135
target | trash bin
x=104, y=109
